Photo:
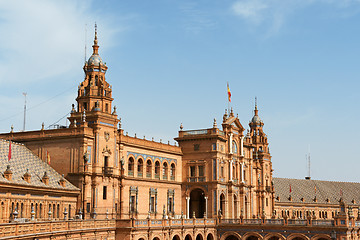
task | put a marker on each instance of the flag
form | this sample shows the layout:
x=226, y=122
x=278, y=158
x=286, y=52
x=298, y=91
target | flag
x=228, y=91
x=48, y=157
x=290, y=188
x=9, y=155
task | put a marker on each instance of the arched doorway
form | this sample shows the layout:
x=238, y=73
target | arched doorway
x=176, y=237
x=298, y=238
x=188, y=237
x=199, y=237
x=210, y=237
x=222, y=204
x=197, y=203
x=231, y=237
x=252, y=238
x=156, y=238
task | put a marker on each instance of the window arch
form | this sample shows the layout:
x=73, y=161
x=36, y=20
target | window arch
x=157, y=169
x=172, y=171
x=148, y=168
x=234, y=146
x=165, y=170
x=140, y=166
x=131, y=166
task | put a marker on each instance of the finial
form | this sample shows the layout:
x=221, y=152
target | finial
x=215, y=124
x=95, y=40
x=232, y=112
x=12, y=128
x=73, y=108
x=119, y=123
x=181, y=127
x=42, y=126
x=114, y=112
x=256, y=109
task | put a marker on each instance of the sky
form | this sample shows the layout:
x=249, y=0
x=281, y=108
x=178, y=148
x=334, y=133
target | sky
x=169, y=62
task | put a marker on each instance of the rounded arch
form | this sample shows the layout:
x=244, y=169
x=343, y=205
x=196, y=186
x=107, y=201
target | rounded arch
x=197, y=203
x=210, y=236
x=131, y=166
x=231, y=236
x=141, y=238
x=175, y=237
x=157, y=169
x=156, y=238
x=274, y=236
x=321, y=237
x=234, y=146
x=148, y=168
x=199, y=236
x=140, y=166
x=297, y=236
x=222, y=204
x=188, y=237
x=172, y=171
x=252, y=236
x=165, y=170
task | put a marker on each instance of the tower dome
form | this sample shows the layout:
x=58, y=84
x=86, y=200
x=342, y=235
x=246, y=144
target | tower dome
x=95, y=59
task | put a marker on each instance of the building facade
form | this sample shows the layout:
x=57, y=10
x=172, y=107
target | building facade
x=216, y=184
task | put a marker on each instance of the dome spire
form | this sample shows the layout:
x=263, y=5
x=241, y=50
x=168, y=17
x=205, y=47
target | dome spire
x=95, y=46
x=256, y=110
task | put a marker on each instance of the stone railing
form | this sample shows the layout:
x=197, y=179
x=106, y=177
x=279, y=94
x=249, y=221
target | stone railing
x=59, y=228
x=274, y=221
x=198, y=222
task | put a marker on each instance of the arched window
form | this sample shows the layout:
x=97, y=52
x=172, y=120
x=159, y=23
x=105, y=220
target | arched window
x=234, y=146
x=140, y=167
x=148, y=168
x=157, y=170
x=131, y=167
x=172, y=172
x=165, y=171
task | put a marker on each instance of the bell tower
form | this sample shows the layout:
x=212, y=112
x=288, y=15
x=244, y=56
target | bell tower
x=262, y=161
x=94, y=93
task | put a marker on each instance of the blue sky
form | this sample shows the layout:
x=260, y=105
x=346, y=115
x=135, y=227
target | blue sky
x=169, y=62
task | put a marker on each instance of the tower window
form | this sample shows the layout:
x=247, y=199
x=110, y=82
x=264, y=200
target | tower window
x=85, y=106
x=104, y=192
x=106, y=107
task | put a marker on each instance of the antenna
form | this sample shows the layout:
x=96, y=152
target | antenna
x=308, y=164
x=24, y=111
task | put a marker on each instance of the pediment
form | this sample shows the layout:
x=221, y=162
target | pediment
x=234, y=124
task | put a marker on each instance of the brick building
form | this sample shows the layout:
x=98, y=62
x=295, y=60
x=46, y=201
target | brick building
x=216, y=184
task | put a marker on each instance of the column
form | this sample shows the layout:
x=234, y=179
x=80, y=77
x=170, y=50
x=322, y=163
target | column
x=187, y=207
x=242, y=146
x=242, y=172
x=231, y=170
x=230, y=144
x=206, y=207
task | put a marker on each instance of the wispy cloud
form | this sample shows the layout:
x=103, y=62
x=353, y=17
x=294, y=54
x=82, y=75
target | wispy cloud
x=43, y=39
x=197, y=19
x=274, y=13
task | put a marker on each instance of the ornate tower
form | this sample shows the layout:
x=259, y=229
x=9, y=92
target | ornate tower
x=263, y=166
x=94, y=93
x=96, y=124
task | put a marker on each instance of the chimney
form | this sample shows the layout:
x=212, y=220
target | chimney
x=8, y=173
x=45, y=179
x=27, y=176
